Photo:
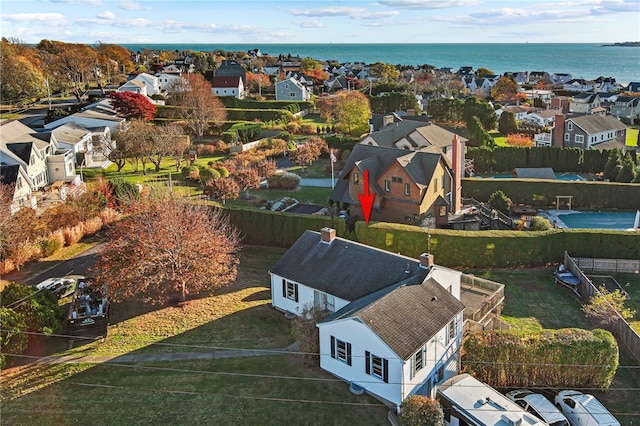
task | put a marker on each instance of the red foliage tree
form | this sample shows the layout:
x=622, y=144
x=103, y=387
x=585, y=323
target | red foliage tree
x=247, y=178
x=223, y=189
x=132, y=105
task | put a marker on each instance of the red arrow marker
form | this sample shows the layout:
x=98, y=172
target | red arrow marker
x=366, y=199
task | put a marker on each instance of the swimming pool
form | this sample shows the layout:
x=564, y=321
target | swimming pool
x=573, y=219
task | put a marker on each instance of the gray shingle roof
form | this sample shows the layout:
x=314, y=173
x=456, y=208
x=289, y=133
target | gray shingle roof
x=344, y=268
x=595, y=123
x=405, y=317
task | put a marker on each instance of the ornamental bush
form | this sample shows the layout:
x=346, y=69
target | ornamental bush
x=284, y=180
x=419, y=410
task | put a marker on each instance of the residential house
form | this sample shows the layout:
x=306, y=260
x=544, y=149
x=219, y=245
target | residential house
x=544, y=95
x=97, y=115
x=167, y=80
x=580, y=85
x=396, y=323
x=606, y=84
x=20, y=147
x=633, y=87
x=520, y=77
x=541, y=118
x=626, y=109
x=16, y=178
x=291, y=90
x=536, y=76
x=73, y=137
x=469, y=82
x=230, y=68
x=560, y=78
x=303, y=79
x=519, y=111
x=228, y=86
x=135, y=86
x=593, y=132
x=584, y=103
x=411, y=135
x=151, y=82
x=560, y=102
x=335, y=83
x=409, y=186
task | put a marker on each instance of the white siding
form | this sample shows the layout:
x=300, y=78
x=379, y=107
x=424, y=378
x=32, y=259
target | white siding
x=305, y=297
x=361, y=339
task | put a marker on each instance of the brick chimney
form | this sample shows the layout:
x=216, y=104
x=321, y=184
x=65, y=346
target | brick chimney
x=327, y=235
x=426, y=260
x=457, y=161
x=557, y=134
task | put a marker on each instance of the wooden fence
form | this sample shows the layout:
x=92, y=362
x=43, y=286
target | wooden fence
x=591, y=264
x=620, y=327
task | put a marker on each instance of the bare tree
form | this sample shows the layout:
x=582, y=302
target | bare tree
x=196, y=104
x=167, y=140
x=168, y=247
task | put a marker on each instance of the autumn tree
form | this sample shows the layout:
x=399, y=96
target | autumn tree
x=606, y=306
x=168, y=247
x=246, y=179
x=256, y=81
x=22, y=78
x=504, y=90
x=114, y=60
x=384, y=72
x=349, y=109
x=133, y=106
x=305, y=154
x=483, y=72
x=167, y=141
x=223, y=189
x=196, y=104
x=73, y=65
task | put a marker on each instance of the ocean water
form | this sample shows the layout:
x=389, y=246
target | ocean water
x=588, y=61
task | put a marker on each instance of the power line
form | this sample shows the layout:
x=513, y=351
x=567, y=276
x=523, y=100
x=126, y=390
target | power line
x=281, y=351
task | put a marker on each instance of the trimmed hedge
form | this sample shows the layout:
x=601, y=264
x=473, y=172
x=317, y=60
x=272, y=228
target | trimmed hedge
x=231, y=102
x=542, y=193
x=470, y=249
x=565, y=358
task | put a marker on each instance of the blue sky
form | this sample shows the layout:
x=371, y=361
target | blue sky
x=319, y=21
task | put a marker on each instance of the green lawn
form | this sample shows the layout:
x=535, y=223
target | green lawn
x=632, y=136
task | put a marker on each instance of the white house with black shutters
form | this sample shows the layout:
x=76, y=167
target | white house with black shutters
x=396, y=322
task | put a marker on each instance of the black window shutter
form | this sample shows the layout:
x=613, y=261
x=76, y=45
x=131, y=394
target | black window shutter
x=333, y=347
x=284, y=288
x=367, y=362
x=348, y=353
x=295, y=292
x=385, y=370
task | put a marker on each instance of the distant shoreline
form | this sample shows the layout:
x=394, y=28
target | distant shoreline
x=623, y=44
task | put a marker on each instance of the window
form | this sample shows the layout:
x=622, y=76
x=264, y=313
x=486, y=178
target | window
x=419, y=361
x=396, y=179
x=570, y=126
x=579, y=138
x=289, y=290
x=452, y=330
x=435, y=187
x=407, y=189
x=356, y=178
x=442, y=181
x=567, y=137
x=324, y=300
x=387, y=186
x=292, y=94
x=376, y=366
x=341, y=350
x=443, y=211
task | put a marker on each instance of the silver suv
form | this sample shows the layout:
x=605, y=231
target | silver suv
x=539, y=406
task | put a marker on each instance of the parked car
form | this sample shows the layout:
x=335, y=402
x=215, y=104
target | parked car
x=539, y=406
x=61, y=287
x=582, y=409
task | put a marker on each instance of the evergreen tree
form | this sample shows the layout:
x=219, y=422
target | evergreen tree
x=507, y=123
x=610, y=169
x=626, y=173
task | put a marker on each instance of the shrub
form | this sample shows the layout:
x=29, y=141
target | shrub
x=539, y=223
x=500, y=202
x=51, y=244
x=13, y=340
x=92, y=226
x=284, y=180
x=191, y=172
x=73, y=234
x=344, y=155
x=304, y=329
x=109, y=215
x=418, y=410
x=224, y=172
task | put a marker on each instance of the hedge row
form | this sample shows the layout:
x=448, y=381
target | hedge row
x=236, y=114
x=565, y=358
x=505, y=159
x=543, y=193
x=469, y=249
x=231, y=102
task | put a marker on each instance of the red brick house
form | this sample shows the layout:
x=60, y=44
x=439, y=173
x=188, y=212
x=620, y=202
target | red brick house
x=409, y=186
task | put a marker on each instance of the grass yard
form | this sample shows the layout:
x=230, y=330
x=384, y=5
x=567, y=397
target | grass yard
x=534, y=302
x=254, y=390
x=304, y=194
x=632, y=136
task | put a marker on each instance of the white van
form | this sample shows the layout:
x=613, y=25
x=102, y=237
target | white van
x=583, y=409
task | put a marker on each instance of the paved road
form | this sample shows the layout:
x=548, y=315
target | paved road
x=76, y=266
